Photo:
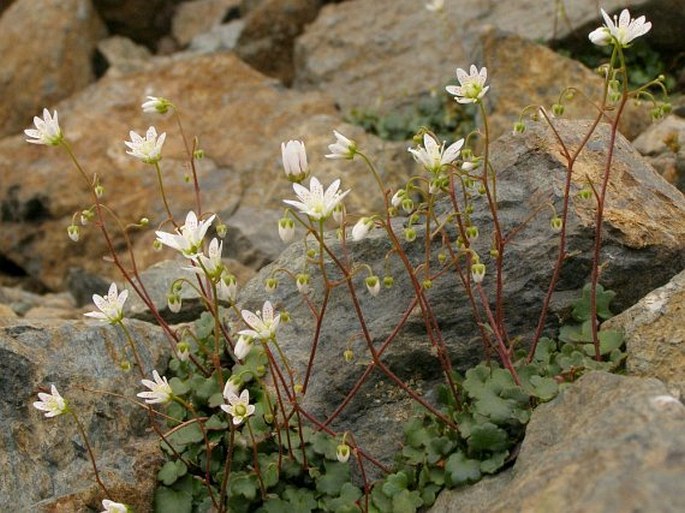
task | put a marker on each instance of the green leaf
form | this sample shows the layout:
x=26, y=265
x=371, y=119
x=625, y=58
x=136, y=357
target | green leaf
x=395, y=483
x=332, y=480
x=347, y=502
x=460, y=470
x=188, y=434
x=581, y=308
x=300, y=499
x=380, y=500
x=488, y=437
x=171, y=471
x=494, y=462
x=544, y=388
x=429, y=493
x=172, y=501
x=406, y=502
x=242, y=483
x=179, y=387
x=325, y=444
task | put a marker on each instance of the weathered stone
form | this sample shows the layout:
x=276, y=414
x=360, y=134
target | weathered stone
x=6, y=312
x=644, y=242
x=194, y=18
x=664, y=145
x=40, y=71
x=654, y=332
x=219, y=39
x=267, y=39
x=45, y=459
x=123, y=55
x=607, y=444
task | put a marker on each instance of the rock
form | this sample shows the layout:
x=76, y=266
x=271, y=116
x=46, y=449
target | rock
x=27, y=304
x=44, y=459
x=664, y=145
x=194, y=18
x=644, y=240
x=654, y=332
x=220, y=38
x=539, y=75
x=144, y=23
x=38, y=72
x=607, y=444
x=123, y=56
x=6, y=312
x=267, y=39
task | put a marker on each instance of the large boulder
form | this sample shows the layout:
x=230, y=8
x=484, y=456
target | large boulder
x=644, y=243
x=607, y=444
x=44, y=465
x=654, y=331
x=40, y=71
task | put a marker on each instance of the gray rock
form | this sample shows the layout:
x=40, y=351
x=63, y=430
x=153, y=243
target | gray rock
x=638, y=256
x=654, y=332
x=607, y=444
x=664, y=145
x=45, y=459
x=220, y=38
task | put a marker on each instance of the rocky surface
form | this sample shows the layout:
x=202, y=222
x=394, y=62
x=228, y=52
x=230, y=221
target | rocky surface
x=44, y=461
x=608, y=444
x=378, y=56
x=645, y=224
x=654, y=332
x=39, y=71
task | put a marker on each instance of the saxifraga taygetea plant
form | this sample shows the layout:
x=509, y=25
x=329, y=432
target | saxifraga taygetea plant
x=237, y=437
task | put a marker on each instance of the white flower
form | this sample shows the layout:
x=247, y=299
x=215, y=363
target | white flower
x=111, y=306
x=148, y=148
x=342, y=148
x=263, y=325
x=155, y=104
x=74, y=232
x=316, y=203
x=114, y=507
x=621, y=30
x=294, y=158
x=239, y=407
x=435, y=5
x=286, y=229
x=373, y=285
x=242, y=347
x=160, y=391
x=362, y=228
x=189, y=240
x=52, y=404
x=211, y=265
x=47, y=130
x=434, y=156
x=472, y=85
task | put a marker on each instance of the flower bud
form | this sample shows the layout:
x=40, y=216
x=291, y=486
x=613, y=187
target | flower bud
x=302, y=282
x=362, y=228
x=99, y=191
x=157, y=245
x=298, y=388
x=183, y=351
x=144, y=221
x=221, y=230
x=270, y=285
x=410, y=234
x=125, y=365
x=585, y=194
x=343, y=452
x=348, y=355
x=174, y=302
x=339, y=213
x=388, y=281
x=397, y=198
x=471, y=233
x=73, y=232
x=373, y=285
x=427, y=284
x=286, y=229
x=199, y=154
x=558, y=110
x=407, y=205
x=519, y=128
x=477, y=272
x=556, y=223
